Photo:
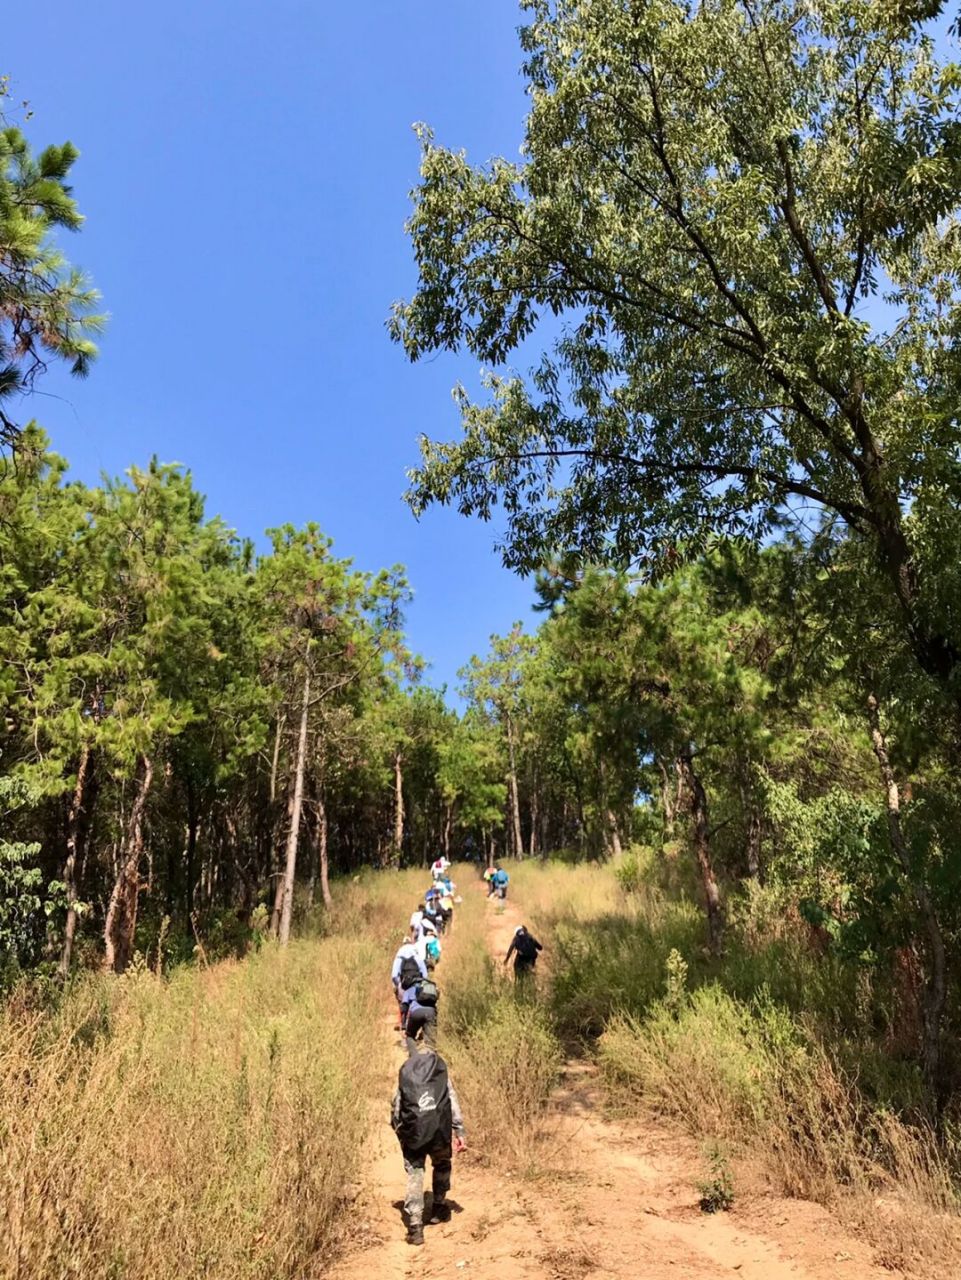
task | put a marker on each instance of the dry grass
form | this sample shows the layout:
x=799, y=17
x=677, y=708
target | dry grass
x=504, y=1056
x=207, y=1125
x=731, y=1061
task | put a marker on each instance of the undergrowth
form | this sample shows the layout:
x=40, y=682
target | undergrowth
x=781, y=1051
x=207, y=1124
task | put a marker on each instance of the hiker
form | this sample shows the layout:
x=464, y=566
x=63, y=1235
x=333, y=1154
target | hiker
x=438, y=868
x=446, y=904
x=427, y=945
x=417, y=921
x=422, y=1016
x=408, y=970
x=489, y=881
x=524, y=948
x=499, y=880
x=426, y=1117
x=432, y=909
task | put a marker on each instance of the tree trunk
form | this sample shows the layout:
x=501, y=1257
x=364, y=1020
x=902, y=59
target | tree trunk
x=193, y=820
x=448, y=823
x=668, y=803
x=121, y=923
x=515, y=802
x=614, y=836
x=71, y=867
x=398, y=807
x=753, y=850
x=277, y=870
x=534, y=805
x=293, y=834
x=935, y=986
x=322, y=854
x=702, y=848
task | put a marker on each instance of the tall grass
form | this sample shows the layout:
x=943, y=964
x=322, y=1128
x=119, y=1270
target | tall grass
x=778, y=1049
x=210, y=1124
x=499, y=1041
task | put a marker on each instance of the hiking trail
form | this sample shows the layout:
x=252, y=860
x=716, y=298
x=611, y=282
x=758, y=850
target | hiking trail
x=623, y=1205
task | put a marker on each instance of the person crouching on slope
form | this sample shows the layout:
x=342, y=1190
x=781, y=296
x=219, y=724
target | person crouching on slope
x=426, y=1117
x=407, y=971
x=524, y=948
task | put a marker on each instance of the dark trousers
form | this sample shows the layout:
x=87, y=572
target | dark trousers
x=414, y=1164
x=421, y=1021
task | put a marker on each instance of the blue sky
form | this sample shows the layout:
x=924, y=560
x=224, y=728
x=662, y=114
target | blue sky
x=244, y=172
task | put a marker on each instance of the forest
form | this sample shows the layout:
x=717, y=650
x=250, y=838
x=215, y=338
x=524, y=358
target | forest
x=732, y=479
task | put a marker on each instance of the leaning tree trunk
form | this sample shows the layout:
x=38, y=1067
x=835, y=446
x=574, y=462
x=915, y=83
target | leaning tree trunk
x=935, y=986
x=398, y=807
x=71, y=867
x=296, y=808
x=120, y=925
x=516, y=837
x=702, y=848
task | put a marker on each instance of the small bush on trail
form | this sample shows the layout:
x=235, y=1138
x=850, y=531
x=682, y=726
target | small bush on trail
x=717, y=1190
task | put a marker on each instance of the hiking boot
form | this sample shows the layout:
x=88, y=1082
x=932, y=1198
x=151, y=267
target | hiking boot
x=415, y=1233
x=440, y=1212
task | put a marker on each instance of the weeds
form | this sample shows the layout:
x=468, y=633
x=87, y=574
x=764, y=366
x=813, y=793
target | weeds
x=717, y=1191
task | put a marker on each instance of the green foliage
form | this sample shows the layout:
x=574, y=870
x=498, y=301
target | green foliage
x=24, y=902
x=717, y=1190
x=46, y=305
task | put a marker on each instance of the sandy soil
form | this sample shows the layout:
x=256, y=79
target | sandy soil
x=625, y=1205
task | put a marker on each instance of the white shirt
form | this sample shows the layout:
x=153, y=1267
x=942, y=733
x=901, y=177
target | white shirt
x=417, y=924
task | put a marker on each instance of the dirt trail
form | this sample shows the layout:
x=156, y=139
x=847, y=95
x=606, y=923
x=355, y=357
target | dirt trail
x=625, y=1205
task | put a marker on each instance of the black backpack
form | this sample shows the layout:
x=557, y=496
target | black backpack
x=525, y=946
x=427, y=993
x=425, y=1110
x=410, y=973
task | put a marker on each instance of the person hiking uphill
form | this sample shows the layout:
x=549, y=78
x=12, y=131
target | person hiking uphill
x=432, y=908
x=524, y=948
x=407, y=971
x=438, y=868
x=426, y=1117
x=417, y=921
x=446, y=887
x=422, y=1016
x=428, y=945
x=499, y=881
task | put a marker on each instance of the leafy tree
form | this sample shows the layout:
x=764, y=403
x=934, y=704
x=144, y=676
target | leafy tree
x=494, y=686
x=716, y=199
